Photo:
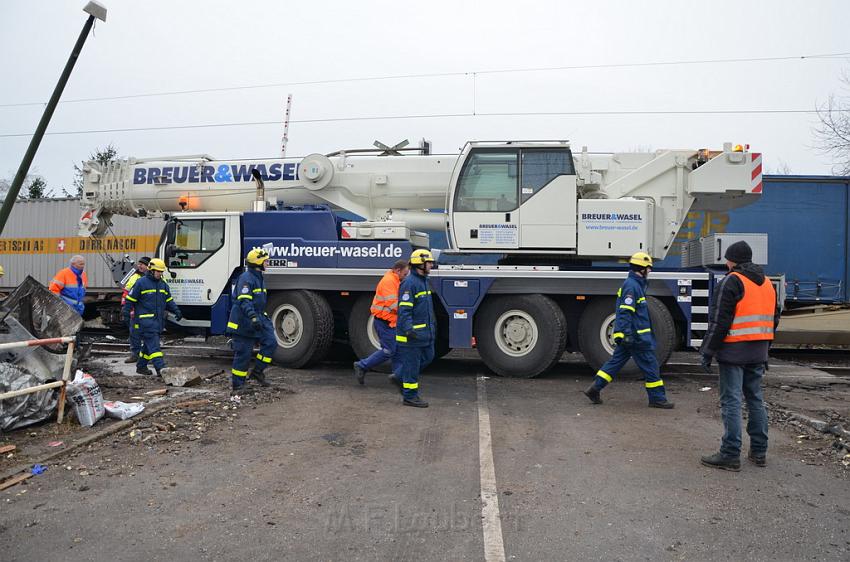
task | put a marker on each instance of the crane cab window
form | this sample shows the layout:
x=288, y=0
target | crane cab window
x=195, y=241
x=488, y=182
x=541, y=166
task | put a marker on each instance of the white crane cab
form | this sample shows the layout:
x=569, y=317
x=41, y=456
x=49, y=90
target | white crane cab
x=514, y=196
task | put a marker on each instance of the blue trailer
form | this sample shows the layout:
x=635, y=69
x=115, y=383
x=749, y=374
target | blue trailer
x=807, y=220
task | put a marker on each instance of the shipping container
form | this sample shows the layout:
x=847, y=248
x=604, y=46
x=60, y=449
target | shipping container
x=42, y=235
x=807, y=220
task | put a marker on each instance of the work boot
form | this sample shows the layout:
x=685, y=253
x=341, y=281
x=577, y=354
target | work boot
x=717, y=460
x=143, y=371
x=132, y=358
x=415, y=402
x=663, y=404
x=359, y=373
x=758, y=460
x=260, y=378
x=392, y=379
x=593, y=393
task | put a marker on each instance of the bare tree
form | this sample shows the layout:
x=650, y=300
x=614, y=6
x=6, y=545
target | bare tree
x=833, y=131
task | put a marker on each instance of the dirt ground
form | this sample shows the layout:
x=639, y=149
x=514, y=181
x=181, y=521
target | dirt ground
x=319, y=467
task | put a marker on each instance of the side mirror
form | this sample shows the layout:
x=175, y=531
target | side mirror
x=170, y=231
x=170, y=251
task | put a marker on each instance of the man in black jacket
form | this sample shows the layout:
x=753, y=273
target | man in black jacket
x=743, y=318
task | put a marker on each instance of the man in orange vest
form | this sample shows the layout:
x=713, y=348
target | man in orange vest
x=70, y=284
x=743, y=318
x=385, y=310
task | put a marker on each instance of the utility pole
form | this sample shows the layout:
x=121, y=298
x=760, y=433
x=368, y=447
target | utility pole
x=95, y=10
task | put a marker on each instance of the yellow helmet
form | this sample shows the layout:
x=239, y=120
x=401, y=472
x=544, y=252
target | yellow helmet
x=2, y=271
x=418, y=257
x=257, y=256
x=641, y=259
x=156, y=264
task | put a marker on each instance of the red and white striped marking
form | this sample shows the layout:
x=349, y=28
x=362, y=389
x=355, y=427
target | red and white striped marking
x=346, y=233
x=756, y=185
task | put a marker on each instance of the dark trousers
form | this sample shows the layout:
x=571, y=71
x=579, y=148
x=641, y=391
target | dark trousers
x=737, y=382
x=412, y=361
x=645, y=360
x=150, y=350
x=386, y=335
x=243, y=349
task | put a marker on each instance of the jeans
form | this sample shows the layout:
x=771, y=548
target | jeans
x=386, y=335
x=736, y=380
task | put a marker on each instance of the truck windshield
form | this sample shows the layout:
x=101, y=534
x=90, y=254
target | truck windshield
x=195, y=241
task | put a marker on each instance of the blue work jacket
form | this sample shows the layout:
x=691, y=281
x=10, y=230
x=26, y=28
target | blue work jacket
x=632, y=319
x=417, y=324
x=149, y=299
x=249, y=302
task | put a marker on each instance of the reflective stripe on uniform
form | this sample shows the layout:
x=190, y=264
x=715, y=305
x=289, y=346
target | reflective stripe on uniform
x=58, y=282
x=263, y=358
x=154, y=355
x=405, y=304
x=645, y=330
x=410, y=385
x=146, y=291
x=402, y=339
x=750, y=331
x=604, y=375
x=131, y=299
x=136, y=326
x=259, y=291
x=233, y=325
x=419, y=326
x=239, y=373
x=151, y=315
x=627, y=307
x=421, y=294
x=169, y=299
x=655, y=384
x=753, y=318
x=642, y=299
x=240, y=297
x=615, y=335
x=390, y=308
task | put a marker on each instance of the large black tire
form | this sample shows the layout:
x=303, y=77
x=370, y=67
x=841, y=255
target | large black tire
x=596, y=326
x=361, y=331
x=304, y=327
x=520, y=335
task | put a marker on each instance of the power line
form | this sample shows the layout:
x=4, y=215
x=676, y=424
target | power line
x=443, y=75
x=436, y=116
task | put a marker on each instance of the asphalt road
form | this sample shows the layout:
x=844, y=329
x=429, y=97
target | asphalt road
x=335, y=471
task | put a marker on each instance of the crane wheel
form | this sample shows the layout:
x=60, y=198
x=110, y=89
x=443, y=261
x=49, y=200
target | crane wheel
x=303, y=325
x=361, y=331
x=597, y=324
x=520, y=335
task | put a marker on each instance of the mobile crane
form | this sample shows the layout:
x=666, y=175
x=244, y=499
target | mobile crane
x=530, y=227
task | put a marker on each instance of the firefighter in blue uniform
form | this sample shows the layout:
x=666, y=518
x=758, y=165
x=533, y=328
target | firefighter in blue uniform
x=249, y=323
x=149, y=299
x=633, y=337
x=416, y=328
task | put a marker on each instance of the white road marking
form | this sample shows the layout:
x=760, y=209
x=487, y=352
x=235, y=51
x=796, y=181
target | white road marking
x=494, y=546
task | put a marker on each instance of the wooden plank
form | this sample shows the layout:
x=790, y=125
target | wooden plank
x=7, y=449
x=16, y=480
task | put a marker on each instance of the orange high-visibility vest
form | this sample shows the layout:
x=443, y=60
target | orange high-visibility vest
x=753, y=319
x=385, y=303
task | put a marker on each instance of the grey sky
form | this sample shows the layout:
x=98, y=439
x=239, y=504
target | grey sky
x=160, y=46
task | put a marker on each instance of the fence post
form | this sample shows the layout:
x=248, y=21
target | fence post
x=66, y=376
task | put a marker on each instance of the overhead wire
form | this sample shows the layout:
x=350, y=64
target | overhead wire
x=435, y=116
x=824, y=56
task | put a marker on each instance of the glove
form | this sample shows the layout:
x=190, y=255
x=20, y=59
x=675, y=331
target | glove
x=706, y=363
x=620, y=340
x=256, y=324
x=178, y=316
